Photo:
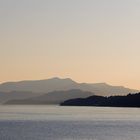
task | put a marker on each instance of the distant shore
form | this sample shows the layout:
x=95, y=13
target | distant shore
x=130, y=100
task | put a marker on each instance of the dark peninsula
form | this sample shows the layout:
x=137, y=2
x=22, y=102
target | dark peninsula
x=130, y=100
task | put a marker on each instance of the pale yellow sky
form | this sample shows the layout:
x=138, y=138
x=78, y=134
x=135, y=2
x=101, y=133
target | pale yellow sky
x=86, y=40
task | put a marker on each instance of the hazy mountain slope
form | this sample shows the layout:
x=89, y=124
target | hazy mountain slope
x=55, y=97
x=57, y=84
x=39, y=85
x=104, y=89
x=5, y=96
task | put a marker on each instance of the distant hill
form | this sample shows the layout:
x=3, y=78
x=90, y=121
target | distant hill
x=55, y=97
x=57, y=84
x=130, y=100
x=6, y=96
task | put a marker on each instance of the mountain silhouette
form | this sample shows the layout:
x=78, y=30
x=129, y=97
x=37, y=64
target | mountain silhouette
x=57, y=84
x=57, y=87
x=55, y=97
x=130, y=100
x=6, y=96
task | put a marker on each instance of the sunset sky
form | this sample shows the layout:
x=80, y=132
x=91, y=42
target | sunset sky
x=86, y=40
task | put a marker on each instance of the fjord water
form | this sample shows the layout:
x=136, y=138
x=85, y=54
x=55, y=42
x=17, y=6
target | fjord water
x=68, y=123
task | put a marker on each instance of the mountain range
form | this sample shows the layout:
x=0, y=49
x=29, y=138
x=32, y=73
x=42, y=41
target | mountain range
x=55, y=97
x=56, y=89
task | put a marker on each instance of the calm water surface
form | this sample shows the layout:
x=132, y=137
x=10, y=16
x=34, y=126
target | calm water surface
x=69, y=123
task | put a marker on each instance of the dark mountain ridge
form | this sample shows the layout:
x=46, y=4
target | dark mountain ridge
x=130, y=100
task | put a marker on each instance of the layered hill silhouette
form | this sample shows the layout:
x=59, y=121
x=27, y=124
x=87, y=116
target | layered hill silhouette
x=55, y=97
x=16, y=95
x=130, y=100
x=56, y=86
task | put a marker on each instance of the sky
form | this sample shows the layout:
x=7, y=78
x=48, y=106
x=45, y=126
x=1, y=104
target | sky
x=87, y=40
